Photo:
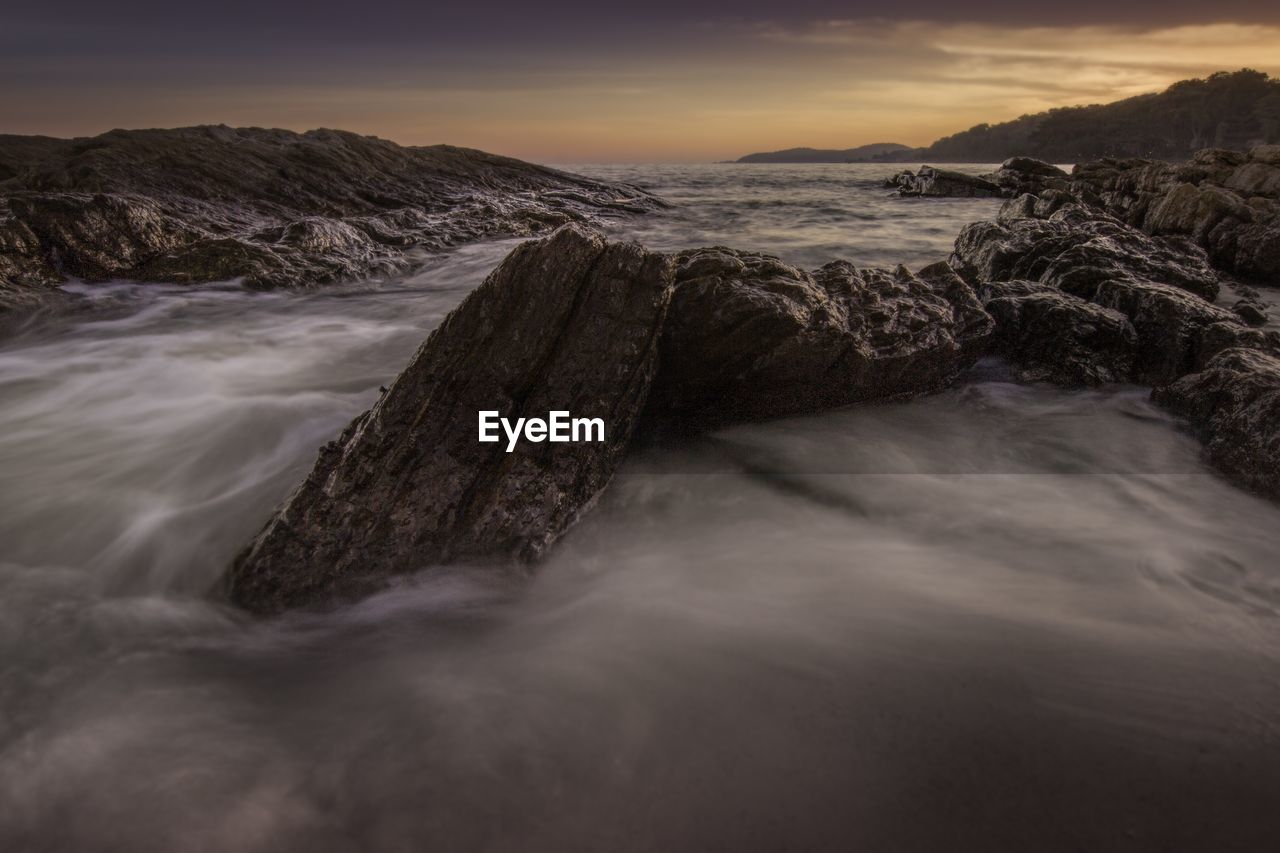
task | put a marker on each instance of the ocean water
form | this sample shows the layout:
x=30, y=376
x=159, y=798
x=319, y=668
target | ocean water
x=1005, y=617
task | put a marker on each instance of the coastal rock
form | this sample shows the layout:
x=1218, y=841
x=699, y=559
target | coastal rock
x=1161, y=287
x=1170, y=324
x=274, y=208
x=1251, y=311
x=1016, y=176
x=1056, y=337
x=943, y=183
x=1227, y=202
x=1233, y=404
x=749, y=337
x=1076, y=249
x=1019, y=175
x=568, y=322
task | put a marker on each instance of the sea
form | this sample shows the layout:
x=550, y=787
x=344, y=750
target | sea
x=1006, y=616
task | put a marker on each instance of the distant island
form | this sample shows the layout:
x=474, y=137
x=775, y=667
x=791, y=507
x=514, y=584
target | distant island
x=1235, y=110
x=876, y=151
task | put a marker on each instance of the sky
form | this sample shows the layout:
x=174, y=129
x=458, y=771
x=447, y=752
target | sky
x=577, y=82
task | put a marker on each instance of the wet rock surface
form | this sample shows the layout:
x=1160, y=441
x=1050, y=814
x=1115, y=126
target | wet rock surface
x=1234, y=407
x=277, y=208
x=1227, y=202
x=568, y=322
x=1053, y=336
x=1162, y=288
x=697, y=339
x=1076, y=249
x=929, y=181
x=750, y=337
x=1016, y=176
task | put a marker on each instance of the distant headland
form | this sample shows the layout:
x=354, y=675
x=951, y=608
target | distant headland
x=1236, y=110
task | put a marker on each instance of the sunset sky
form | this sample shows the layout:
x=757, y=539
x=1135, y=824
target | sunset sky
x=590, y=82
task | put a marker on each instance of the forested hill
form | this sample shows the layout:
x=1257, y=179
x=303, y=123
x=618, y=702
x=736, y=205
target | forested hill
x=1226, y=110
x=1237, y=109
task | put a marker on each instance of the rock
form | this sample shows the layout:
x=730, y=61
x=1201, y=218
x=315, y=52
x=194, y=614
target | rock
x=1019, y=175
x=1016, y=176
x=568, y=322
x=1227, y=202
x=1233, y=404
x=749, y=337
x=1251, y=311
x=939, y=183
x=1056, y=337
x=1217, y=337
x=275, y=208
x=1170, y=323
x=1076, y=249
x=1162, y=287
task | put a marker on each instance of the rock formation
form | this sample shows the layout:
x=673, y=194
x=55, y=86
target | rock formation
x=1052, y=336
x=1227, y=202
x=1162, y=288
x=943, y=183
x=568, y=322
x=572, y=323
x=1016, y=176
x=278, y=209
x=750, y=337
x=1234, y=406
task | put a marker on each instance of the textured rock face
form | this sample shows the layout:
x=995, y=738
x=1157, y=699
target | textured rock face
x=565, y=323
x=1161, y=288
x=943, y=183
x=1076, y=249
x=1234, y=406
x=1019, y=175
x=1170, y=323
x=279, y=209
x=572, y=323
x=1225, y=201
x=1056, y=337
x=750, y=337
x=1016, y=176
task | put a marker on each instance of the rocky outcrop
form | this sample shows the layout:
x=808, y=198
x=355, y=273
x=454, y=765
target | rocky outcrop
x=600, y=330
x=1162, y=288
x=1019, y=175
x=1234, y=406
x=276, y=208
x=1171, y=325
x=1016, y=176
x=569, y=322
x=1076, y=249
x=749, y=337
x=932, y=182
x=1227, y=202
x=1053, y=336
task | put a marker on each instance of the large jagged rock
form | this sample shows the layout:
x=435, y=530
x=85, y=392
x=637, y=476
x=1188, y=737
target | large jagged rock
x=1052, y=336
x=1234, y=406
x=751, y=337
x=276, y=208
x=1228, y=202
x=572, y=323
x=568, y=322
x=1076, y=249
x=1171, y=325
x=1162, y=287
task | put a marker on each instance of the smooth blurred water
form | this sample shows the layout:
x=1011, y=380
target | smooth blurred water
x=1005, y=617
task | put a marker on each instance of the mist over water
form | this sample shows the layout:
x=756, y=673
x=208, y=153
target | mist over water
x=1002, y=617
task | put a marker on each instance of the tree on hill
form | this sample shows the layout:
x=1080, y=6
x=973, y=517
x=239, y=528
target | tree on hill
x=1227, y=110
